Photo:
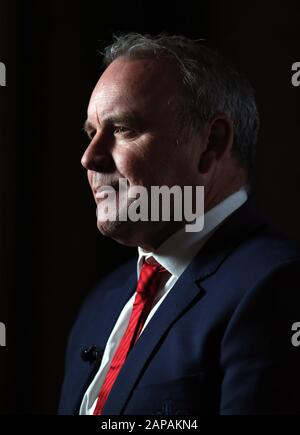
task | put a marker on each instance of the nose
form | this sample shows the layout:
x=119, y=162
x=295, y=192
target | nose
x=97, y=157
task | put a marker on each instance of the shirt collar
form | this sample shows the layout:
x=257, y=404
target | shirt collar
x=176, y=253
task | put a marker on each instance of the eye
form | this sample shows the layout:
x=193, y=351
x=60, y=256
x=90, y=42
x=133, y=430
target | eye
x=120, y=129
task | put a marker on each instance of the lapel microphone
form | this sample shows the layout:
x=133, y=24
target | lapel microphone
x=92, y=354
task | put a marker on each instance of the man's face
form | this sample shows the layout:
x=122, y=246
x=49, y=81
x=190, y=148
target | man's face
x=133, y=128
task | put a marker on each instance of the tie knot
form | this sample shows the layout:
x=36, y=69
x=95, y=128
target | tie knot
x=150, y=277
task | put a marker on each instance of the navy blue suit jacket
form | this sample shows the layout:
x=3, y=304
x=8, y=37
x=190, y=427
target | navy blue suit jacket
x=220, y=343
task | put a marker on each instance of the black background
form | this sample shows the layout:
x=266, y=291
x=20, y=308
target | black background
x=51, y=253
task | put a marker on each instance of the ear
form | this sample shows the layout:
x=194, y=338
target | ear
x=219, y=140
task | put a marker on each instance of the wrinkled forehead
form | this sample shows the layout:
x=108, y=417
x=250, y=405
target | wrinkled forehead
x=138, y=85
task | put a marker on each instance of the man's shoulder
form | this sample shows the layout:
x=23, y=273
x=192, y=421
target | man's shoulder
x=249, y=238
x=118, y=275
x=268, y=247
x=113, y=280
x=246, y=251
x=108, y=293
x=264, y=255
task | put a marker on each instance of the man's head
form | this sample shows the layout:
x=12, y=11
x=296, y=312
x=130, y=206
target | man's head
x=167, y=111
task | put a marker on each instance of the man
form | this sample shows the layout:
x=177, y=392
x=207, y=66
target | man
x=201, y=322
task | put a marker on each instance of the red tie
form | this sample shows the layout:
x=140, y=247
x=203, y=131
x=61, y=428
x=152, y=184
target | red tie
x=147, y=287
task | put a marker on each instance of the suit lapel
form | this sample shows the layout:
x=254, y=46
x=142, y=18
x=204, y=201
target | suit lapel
x=174, y=304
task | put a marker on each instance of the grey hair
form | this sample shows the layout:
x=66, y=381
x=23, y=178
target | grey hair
x=210, y=84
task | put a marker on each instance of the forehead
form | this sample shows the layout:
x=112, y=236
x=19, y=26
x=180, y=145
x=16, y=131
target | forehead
x=136, y=85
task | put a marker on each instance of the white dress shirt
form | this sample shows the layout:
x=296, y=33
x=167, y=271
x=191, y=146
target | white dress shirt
x=175, y=255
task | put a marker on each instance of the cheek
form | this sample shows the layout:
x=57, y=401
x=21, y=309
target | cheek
x=133, y=165
x=144, y=162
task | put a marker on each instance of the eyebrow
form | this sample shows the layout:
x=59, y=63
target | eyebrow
x=88, y=126
x=113, y=119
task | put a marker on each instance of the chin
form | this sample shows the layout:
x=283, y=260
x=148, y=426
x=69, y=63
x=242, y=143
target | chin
x=121, y=232
x=144, y=234
x=108, y=228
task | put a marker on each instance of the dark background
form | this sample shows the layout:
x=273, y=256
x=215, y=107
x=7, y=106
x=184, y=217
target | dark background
x=51, y=253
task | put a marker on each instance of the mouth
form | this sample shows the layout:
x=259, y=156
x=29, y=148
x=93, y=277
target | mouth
x=101, y=191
